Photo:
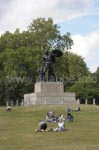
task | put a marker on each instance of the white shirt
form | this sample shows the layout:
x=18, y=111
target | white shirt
x=61, y=126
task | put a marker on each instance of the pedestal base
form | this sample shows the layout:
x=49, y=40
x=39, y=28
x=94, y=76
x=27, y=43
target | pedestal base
x=49, y=93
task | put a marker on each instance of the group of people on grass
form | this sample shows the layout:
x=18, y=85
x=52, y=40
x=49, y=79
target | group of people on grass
x=60, y=120
x=43, y=126
x=51, y=118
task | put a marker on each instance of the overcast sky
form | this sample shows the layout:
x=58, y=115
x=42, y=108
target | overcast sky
x=79, y=17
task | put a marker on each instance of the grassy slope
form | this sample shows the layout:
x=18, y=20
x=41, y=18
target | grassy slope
x=17, y=129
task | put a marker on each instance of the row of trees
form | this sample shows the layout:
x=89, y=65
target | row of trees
x=21, y=57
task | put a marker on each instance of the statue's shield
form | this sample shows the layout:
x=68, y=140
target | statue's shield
x=57, y=53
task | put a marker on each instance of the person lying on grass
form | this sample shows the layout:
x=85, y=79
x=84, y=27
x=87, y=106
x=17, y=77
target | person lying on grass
x=42, y=126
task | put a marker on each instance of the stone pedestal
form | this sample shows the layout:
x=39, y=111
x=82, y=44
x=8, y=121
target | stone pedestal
x=49, y=93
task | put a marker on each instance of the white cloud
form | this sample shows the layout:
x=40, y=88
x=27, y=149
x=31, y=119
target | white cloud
x=80, y=46
x=94, y=68
x=87, y=46
x=20, y=13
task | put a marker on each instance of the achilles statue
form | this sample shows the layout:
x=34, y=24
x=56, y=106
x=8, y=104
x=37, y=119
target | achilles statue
x=49, y=59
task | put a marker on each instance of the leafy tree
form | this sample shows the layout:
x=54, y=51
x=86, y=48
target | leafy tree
x=69, y=68
x=46, y=33
x=6, y=41
x=86, y=88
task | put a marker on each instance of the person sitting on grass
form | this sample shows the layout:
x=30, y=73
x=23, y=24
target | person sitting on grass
x=50, y=117
x=69, y=118
x=77, y=109
x=61, y=126
x=51, y=114
x=61, y=117
x=68, y=110
x=8, y=108
x=42, y=126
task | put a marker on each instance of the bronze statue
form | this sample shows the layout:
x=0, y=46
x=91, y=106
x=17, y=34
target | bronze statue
x=48, y=61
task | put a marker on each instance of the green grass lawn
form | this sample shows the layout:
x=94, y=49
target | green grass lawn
x=17, y=129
